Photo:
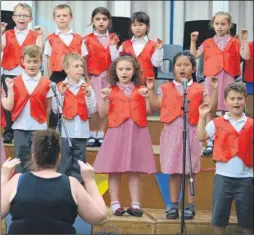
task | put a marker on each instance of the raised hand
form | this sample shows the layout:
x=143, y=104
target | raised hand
x=113, y=39
x=62, y=88
x=9, y=83
x=159, y=43
x=105, y=93
x=3, y=27
x=8, y=167
x=194, y=36
x=143, y=91
x=244, y=34
x=38, y=29
x=87, y=171
x=204, y=109
x=150, y=83
x=87, y=89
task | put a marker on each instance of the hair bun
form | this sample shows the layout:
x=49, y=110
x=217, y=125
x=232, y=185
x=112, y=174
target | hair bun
x=123, y=53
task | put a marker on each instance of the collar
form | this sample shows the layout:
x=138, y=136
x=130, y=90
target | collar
x=25, y=32
x=28, y=78
x=125, y=86
x=189, y=83
x=145, y=38
x=58, y=32
x=80, y=83
x=101, y=35
x=243, y=118
x=222, y=38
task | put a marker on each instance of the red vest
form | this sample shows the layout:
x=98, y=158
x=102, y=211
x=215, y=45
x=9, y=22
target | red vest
x=172, y=102
x=13, y=51
x=216, y=60
x=38, y=99
x=144, y=58
x=59, y=49
x=248, y=66
x=122, y=108
x=229, y=143
x=98, y=58
x=74, y=104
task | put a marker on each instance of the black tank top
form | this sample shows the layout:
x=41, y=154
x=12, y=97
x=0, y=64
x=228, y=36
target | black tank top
x=43, y=206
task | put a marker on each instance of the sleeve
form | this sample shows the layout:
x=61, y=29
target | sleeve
x=91, y=102
x=84, y=51
x=3, y=41
x=210, y=129
x=114, y=52
x=47, y=48
x=157, y=57
x=50, y=93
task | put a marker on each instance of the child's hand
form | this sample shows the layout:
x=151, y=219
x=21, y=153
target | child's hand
x=194, y=36
x=244, y=34
x=113, y=39
x=87, y=89
x=38, y=30
x=204, y=109
x=214, y=83
x=150, y=83
x=8, y=167
x=3, y=27
x=159, y=43
x=9, y=83
x=62, y=88
x=144, y=92
x=105, y=93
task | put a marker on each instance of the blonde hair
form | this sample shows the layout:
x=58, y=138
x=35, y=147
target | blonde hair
x=221, y=13
x=32, y=51
x=68, y=58
x=23, y=5
x=62, y=6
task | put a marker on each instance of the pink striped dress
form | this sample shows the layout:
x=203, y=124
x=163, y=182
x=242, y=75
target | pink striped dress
x=2, y=151
x=171, y=144
x=127, y=148
x=223, y=77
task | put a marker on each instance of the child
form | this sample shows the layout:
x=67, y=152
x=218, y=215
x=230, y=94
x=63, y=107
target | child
x=221, y=58
x=98, y=61
x=32, y=104
x=248, y=79
x=7, y=103
x=13, y=41
x=233, y=154
x=148, y=53
x=170, y=101
x=78, y=101
x=127, y=147
x=59, y=43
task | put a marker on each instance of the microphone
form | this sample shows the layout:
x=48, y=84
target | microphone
x=184, y=82
x=53, y=86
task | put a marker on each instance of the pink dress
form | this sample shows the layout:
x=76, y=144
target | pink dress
x=223, y=77
x=127, y=148
x=2, y=151
x=171, y=144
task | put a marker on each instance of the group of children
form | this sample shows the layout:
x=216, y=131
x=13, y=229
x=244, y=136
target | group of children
x=118, y=94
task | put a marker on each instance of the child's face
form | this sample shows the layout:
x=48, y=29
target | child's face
x=221, y=25
x=100, y=23
x=62, y=18
x=183, y=68
x=75, y=70
x=32, y=65
x=139, y=29
x=124, y=71
x=22, y=18
x=235, y=102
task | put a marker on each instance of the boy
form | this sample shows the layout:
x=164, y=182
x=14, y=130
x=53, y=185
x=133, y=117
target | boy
x=78, y=102
x=233, y=154
x=63, y=41
x=32, y=104
x=13, y=41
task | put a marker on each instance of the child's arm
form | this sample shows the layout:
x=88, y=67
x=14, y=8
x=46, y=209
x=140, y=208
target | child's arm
x=157, y=57
x=154, y=101
x=40, y=40
x=214, y=95
x=244, y=49
x=104, y=104
x=193, y=46
x=48, y=66
x=114, y=53
x=8, y=102
x=47, y=52
x=90, y=99
x=86, y=75
x=204, y=109
x=144, y=92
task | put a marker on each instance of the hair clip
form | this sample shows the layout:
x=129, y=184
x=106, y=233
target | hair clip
x=123, y=53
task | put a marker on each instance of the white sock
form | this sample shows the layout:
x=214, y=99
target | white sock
x=100, y=134
x=135, y=205
x=209, y=142
x=115, y=205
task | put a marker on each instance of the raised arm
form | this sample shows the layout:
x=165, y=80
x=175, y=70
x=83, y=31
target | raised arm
x=193, y=46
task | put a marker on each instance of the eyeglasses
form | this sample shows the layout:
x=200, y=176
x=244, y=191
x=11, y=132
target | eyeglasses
x=22, y=16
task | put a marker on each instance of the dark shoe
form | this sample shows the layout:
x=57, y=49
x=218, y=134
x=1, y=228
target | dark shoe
x=135, y=212
x=119, y=212
x=172, y=213
x=92, y=143
x=98, y=142
x=189, y=211
x=208, y=151
x=7, y=141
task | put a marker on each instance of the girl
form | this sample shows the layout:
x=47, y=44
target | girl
x=221, y=58
x=98, y=61
x=148, y=53
x=170, y=101
x=127, y=147
x=6, y=103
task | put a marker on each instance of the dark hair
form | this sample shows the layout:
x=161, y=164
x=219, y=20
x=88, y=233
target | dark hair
x=237, y=87
x=140, y=17
x=187, y=54
x=45, y=149
x=112, y=76
x=103, y=11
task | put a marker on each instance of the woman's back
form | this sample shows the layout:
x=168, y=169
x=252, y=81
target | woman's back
x=43, y=205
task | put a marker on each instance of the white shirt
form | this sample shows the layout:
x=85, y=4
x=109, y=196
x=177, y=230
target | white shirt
x=20, y=36
x=66, y=38
x=235, y=167
x=76, y=128
x=138, y=47
x=24, y=121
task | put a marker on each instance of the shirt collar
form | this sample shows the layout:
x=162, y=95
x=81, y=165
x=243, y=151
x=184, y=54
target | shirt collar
x=227, y=117
x=125, y=86
x=222, y=38
x=69, y=32
x=145, y=38
x=81, y=82
x=100, y=35
x=178, y=83
x=27, y=77
x=25, y=32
